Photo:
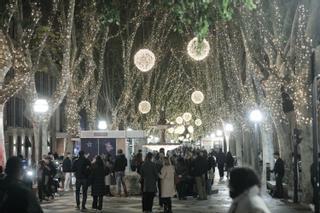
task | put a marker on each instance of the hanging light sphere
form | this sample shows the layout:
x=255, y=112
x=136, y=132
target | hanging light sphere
x=198, y=50
x=197, y=97
x=179, y=130
x=187, y=116
x=144, y=60
x=181, y=138
x=179, y=120
x=144, y=107
x=190, y=129
x=198, y=122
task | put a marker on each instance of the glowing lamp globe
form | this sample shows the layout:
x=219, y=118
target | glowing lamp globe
x=102, y=125
x=144, y=107
x=198, y=50
x=197, y=97
x=179, y=120
x=144, y=60
x=198, y=122
x=190, y=129
x=256, y=116
x=41, y=106
x=219, y=133
x=228, y=127
x=171, y=130
x=181, y=138
x=187, y=116
x=179, y=130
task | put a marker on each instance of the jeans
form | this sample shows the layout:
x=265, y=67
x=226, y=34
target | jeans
x=67, y=179
x=97, y=202
x=147, y=201
x=221, y=170
x=167, y=204
x=201, y=187
x=120, y=180
x=84, y=184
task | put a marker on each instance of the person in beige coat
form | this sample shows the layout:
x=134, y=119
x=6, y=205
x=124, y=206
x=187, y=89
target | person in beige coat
x=244, y=187
x=167, y=185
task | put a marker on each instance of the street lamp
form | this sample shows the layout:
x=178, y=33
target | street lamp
x=102, y=125
x=228, y=128
x=40, y=107
x=256, y=117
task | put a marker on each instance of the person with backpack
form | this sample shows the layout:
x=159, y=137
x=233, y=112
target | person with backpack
x=15, y=196
x=81, y=168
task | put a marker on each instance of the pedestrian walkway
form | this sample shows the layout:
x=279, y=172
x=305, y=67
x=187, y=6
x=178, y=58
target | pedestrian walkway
x=216, y=203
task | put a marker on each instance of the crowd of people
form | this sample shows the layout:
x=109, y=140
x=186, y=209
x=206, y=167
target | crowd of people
x=182, y=173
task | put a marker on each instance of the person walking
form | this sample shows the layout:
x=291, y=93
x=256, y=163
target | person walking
x=244, y=186
x=229, y=163
x=42, y=180
x=149, y=176
x=139, y=161
x=67, y=170
x=81, y=168
x=167, y=184
x=181, y=178
x=199, y=169
x=221, y=159
x=97, y=180
x=278, y=173
x=15, y=196
x=119, y=167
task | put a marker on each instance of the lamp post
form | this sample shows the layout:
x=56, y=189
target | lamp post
x=40, y=107
x=102, y=125
x=256, y=117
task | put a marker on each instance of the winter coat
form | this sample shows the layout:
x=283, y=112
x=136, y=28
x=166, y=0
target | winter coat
x=81, y=168
x=67, y=165
x=120, y=164
x=199, y=166
x=98, y=181
x=221, y=158
x=279, y=168
x=229, y=162
x=249, y=202
x=149, y=175
x=17, y=197
x=167, y=181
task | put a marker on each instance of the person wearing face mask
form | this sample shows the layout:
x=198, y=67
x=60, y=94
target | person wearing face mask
x=15, y=196
x=244, y=187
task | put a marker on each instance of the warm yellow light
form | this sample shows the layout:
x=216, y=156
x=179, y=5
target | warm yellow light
x=144, y=107
x=144, y=60
x=198, y=50
x=197, y=97
x=187, y=116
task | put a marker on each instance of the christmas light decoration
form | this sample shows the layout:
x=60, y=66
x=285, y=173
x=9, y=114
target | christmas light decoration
x=144, y=60
x=102, y=125
x=198, y=50
x=179, y=120
x=187, y=116
x=144, y=107
x=197, y=97
x=171, y=130
x=180, y=129
x=198, y=122
x=190, y=129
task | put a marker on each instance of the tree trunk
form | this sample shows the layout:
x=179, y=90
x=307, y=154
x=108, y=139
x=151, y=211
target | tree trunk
x=2, y=142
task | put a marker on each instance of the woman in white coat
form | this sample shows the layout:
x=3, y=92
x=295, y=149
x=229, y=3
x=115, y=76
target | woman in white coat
x=244, y=187
x=167, y=184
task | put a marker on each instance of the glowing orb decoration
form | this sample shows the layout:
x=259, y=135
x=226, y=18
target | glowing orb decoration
x=144, y=60
x=179, y=120
x=187, y=116
x=181, y=138
x=179, y=130
x=190, y=129
x=171, y=130
x=144, y=107
x=197, y=97
x=198, y=50
x=198, y=122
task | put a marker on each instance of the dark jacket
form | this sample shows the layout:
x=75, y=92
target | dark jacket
x=120, y=164
x=149, y=175
x=17, y=197
x=279, y=168
x=229, y=162
x=212, y=163
x=81, y=168
x=67, y=165
x=97, y=180
x=199, y=166
x=221, y=158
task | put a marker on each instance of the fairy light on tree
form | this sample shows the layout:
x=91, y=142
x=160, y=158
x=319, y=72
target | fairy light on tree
x=198, y=50
x=144, y=60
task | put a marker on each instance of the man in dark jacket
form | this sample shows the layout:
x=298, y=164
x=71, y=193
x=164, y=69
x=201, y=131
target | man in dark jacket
x=221, y=160
x=81, y=168
x=199, y=169
x=119, y=167
x=67, y=169
x=149, y=175
x=278, y=173
x=15, y=196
